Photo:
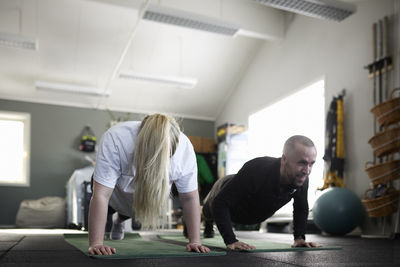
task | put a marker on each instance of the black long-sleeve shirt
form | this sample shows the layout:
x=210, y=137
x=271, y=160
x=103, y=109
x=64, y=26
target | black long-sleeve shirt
x=254, y=194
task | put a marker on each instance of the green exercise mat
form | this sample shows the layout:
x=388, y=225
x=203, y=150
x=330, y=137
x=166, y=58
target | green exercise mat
x=261, y=245
x=134, y=246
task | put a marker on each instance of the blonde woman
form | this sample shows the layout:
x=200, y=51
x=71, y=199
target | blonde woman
x=136, y=164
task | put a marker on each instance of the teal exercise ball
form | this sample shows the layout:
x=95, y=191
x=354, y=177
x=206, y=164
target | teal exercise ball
x=337, y=211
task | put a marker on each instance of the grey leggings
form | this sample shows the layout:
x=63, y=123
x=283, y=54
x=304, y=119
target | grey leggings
x=217, y=187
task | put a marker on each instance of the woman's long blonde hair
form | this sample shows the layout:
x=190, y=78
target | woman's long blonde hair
x=156, y=143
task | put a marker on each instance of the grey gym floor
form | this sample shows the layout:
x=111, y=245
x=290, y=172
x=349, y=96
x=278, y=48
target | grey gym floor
x=19, y=249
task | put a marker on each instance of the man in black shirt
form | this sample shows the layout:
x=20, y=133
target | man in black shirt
x=261, y=187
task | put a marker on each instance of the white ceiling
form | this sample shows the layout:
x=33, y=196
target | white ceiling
x=82, y=41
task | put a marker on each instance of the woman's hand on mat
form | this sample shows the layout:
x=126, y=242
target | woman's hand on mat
x=101, y=250
x=303, y=243
x=240, y=246
x=197, y=247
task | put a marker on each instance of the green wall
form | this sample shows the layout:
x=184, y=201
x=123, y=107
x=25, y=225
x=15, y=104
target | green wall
x=55, y=137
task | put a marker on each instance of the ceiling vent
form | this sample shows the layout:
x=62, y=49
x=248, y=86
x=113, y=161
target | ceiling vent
x=167, y=80
x=189, y=20
x=70, y=88
x=18, y=41
x=322, y=9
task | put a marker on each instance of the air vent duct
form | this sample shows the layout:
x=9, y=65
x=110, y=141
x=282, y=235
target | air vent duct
x=189, y=20
x=322, y=9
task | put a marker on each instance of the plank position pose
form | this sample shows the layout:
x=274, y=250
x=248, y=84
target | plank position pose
x=136, y=164
x=259, y=189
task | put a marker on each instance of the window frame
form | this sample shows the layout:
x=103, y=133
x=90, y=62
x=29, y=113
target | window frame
x=25, y=118
x=287, y=210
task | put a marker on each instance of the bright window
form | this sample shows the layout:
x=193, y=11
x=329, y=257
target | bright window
x=301, y=113
x=14, y=148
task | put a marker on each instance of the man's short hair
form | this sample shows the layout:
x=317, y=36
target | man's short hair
x=290, y=144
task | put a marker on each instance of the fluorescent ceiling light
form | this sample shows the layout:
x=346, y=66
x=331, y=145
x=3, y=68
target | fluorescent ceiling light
x=169, y=80
x=18, y=41
x=70, y=88
x=189, y=20
x=323, y=9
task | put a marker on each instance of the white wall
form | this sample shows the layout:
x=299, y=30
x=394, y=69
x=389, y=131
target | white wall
x=314, y=49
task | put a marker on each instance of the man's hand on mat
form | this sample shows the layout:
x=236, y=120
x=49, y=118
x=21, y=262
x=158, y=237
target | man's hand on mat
x=197, y=247
x=240, y=246
x=101, y=250
x=303, y=243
